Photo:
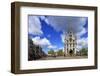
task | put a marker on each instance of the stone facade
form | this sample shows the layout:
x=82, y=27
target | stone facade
x=70, y=44
x=34, y=51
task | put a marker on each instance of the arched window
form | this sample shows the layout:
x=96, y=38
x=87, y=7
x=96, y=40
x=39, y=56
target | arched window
x=70, y=44
x=67, y=41
x=70, y=39
x=70, y=35
x=67, y=44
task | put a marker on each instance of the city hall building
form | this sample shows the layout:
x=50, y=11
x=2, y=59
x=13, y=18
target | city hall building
x=70, y=44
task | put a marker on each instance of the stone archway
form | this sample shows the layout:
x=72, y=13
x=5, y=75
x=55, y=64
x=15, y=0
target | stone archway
x=71, y=52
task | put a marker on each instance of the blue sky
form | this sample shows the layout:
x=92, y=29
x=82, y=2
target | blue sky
x=48, y=31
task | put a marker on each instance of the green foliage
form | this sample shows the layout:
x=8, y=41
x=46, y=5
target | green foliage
x=84, y=51
x=60, y=52
x=51, y=52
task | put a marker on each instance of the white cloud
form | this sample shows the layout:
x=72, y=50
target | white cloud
x=44, y=18
x=82, y=42
x=43, y=42
x=60, y=48
x=34, y=25
x=52, y=47
x=63, y=23
x=81, y=33
x=63, y=37
x=59, y=23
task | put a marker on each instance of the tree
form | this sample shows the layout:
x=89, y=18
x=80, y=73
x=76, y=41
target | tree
x=51, y=52
x=60, y=52
x=84, y=51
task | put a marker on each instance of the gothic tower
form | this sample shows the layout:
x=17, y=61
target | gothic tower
x=70, y=44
